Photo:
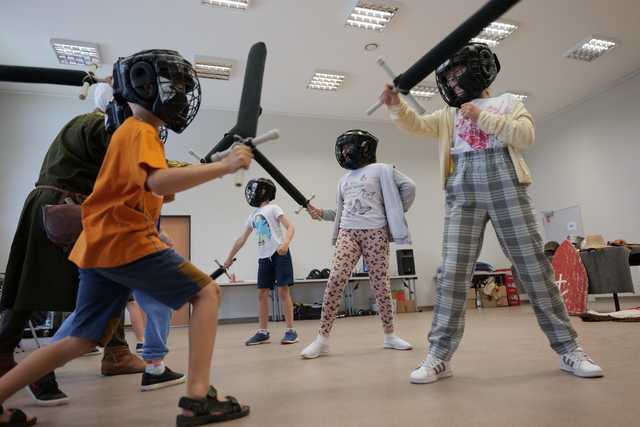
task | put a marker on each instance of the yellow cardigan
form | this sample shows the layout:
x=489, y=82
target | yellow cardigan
x=515, y=130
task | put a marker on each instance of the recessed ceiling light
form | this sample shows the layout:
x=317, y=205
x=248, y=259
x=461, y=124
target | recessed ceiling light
x=495, y=33
x=370, y=16
x=424, y=91
x=76, y=52
x=589, y=49
x=233, y=4
x=326, y=80
x=371, y=46
x=213, y=68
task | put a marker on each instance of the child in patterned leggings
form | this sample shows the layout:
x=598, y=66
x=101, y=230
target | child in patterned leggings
x=372, y=199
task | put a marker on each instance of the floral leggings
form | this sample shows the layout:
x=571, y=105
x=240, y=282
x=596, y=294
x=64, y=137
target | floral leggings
x=373, y=245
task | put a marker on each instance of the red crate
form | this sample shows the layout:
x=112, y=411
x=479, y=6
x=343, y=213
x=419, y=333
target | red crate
x=513, y=299
x=398, y=295
x=512, y=291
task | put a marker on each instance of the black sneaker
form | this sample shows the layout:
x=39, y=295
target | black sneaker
x=46, y=392
x=165, y=379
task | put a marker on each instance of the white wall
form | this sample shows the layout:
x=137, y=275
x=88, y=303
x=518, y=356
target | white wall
x=218, y=209
x=586, y=155
x=589, y=156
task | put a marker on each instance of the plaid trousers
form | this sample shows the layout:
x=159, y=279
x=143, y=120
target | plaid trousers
x=484, y=187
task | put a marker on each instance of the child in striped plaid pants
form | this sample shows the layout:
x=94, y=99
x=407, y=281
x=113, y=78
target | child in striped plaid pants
x=485, y=178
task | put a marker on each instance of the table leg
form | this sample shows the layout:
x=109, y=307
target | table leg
x=616, y=301
x=411, y=285
x=276, y=314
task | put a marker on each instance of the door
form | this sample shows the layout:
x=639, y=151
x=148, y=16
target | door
x=178, y=227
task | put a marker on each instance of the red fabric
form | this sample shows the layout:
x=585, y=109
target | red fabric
x=571, y=278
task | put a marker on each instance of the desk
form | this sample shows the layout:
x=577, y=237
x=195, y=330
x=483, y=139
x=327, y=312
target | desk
x=408, y=281
x=272, y=295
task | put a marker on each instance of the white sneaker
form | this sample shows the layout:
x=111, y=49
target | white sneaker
x=317, y=348
x=431, y=370
x=580, y=364
x=394, y=342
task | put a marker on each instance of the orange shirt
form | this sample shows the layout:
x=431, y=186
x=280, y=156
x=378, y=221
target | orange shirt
x=119, y=217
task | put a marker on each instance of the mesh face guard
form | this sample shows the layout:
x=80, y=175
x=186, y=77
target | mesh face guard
x=356, y=148
x=258, y=191
x=163, y=133
x=179, y=93
x=161, y=81
x=464, y=76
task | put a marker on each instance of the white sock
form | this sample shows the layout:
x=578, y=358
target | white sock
x=389, y=336
x=263, y=331
x=154, y=369
x=289, y=330
x=322, y=340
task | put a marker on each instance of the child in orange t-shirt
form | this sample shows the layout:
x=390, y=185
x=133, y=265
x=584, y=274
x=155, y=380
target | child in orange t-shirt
x=120, y=249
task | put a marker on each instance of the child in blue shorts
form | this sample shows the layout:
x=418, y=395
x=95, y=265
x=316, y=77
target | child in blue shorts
x=275, y=269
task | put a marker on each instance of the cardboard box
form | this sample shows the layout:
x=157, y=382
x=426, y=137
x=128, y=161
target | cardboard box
x=405, y=306
x=501, y=297
x=497, y=298
x=471, y=298
x=487, y=300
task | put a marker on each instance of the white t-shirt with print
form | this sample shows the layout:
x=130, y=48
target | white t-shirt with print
x=468, y=136
x=363, y=205
x=265, y=221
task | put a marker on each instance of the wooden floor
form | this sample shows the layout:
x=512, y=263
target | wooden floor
x=504, y=375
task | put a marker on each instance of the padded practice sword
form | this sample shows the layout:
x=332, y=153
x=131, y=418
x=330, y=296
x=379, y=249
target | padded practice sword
x=247, y=123
x=54, y=76
x=455, y=41
x=221, y=270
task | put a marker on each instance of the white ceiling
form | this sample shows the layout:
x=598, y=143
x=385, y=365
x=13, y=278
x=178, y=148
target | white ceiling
x=304, y=35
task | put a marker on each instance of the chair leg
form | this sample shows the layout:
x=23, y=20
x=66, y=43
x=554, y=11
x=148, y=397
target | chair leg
x=33, y=332
x=616, y=301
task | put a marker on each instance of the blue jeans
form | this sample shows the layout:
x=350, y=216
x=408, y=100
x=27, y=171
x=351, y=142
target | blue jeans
x=155, y=333
x=157, y=329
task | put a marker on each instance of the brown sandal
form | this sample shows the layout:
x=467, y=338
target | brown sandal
x=210, y=410
x=17, y=418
